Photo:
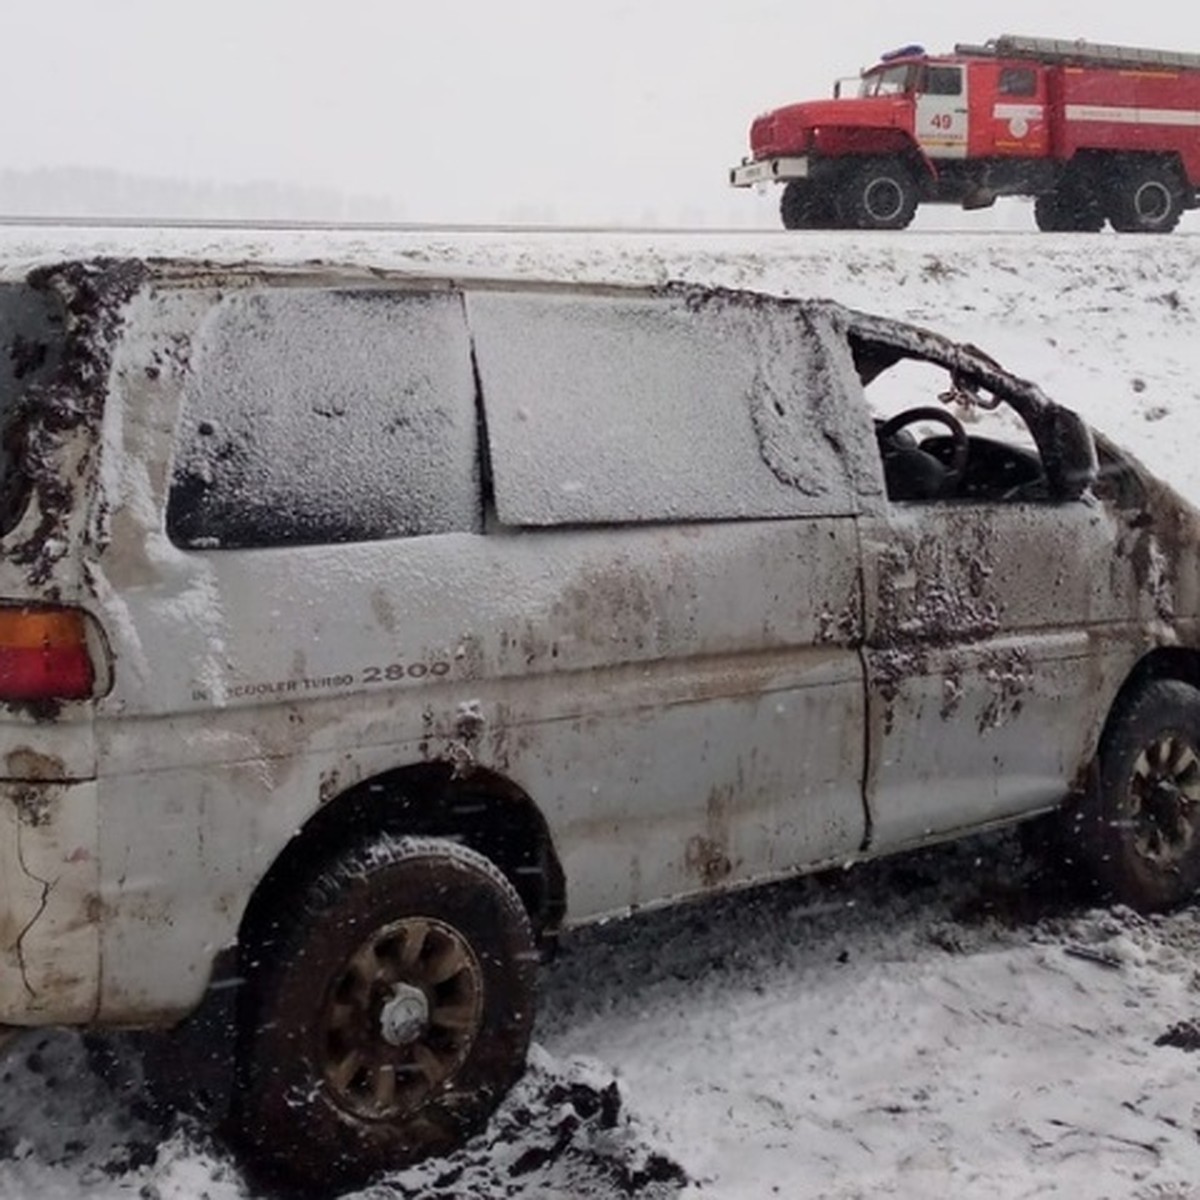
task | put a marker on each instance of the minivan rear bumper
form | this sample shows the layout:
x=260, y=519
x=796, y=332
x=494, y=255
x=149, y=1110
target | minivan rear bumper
x=49, y=902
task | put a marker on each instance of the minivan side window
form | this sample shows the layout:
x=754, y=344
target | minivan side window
x=942, y=441
x=611, y=409
x=31, y=349
x=317, y=415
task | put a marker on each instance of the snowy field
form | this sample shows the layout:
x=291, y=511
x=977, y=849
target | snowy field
x=946, y=1024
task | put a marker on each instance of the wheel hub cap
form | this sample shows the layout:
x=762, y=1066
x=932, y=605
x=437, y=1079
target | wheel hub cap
x=405, y=1016
x=1165, y=800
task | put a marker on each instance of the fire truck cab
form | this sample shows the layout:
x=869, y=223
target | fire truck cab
x=1094, y=133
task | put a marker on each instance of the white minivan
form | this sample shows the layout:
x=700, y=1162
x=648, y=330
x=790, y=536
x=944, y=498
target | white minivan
x=361, y=631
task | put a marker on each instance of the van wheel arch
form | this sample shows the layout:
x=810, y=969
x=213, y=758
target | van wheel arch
x=1136, y=829
x=1166, y=662
x=478, y=845
x=1055, y=838
x=482, y=810
x=1177, y=663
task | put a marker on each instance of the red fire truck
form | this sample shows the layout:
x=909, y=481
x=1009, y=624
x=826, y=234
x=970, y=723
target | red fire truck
x=1095, y=133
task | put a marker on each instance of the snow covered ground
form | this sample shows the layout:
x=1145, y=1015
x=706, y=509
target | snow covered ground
x=946, y=1024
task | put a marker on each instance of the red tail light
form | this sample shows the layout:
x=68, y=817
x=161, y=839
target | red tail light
x=44, y=654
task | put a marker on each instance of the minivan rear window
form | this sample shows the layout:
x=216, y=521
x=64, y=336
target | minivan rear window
x=31, y=342
x=318, y=416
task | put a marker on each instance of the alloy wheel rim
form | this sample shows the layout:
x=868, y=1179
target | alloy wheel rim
x=1164, y=800
x=400, y=1018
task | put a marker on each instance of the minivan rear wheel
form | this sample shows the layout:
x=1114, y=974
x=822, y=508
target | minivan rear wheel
x=1137, y=830
x=385, y=1015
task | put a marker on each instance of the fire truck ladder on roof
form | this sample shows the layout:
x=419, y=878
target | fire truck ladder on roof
x=1080, y=53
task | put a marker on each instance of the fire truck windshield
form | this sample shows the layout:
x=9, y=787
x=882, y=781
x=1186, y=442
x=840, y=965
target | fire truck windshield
x=886, y=81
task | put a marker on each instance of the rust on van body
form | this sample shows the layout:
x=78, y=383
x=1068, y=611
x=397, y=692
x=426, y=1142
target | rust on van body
x=34, y=803
x=31, y=789
x=25, y=763
x=707, y=856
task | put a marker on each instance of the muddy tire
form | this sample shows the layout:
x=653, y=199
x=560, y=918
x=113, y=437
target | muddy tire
x=385, y=1015
x=877, y=193
x=1145, y=197
x=1136, y=834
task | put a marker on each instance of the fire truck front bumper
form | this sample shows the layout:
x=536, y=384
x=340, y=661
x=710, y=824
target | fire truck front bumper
x=769, y=170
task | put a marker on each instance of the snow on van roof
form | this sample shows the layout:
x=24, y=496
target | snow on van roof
x=1103, y=324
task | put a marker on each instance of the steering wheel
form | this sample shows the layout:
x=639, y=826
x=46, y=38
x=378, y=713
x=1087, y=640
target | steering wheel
x=960, y=445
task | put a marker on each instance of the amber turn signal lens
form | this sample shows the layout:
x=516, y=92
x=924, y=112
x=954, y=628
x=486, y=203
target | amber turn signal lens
x=44, y=654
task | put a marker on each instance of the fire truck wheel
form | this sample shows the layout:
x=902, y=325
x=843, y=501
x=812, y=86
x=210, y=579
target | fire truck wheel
x=804, y=205
x=878, y=193
x=1067, y=211
x=1145, y=197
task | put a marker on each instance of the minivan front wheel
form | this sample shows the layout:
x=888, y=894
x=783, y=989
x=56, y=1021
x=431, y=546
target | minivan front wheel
x=1138, y=828
x=385, y=1015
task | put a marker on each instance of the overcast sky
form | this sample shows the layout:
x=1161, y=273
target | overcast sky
x=475, y=110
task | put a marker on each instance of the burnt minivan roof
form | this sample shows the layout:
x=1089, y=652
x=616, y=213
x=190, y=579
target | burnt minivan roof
x=94, y=290
x=116, y=277
x=878, y=341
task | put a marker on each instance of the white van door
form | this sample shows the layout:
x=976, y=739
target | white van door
x=982, y=659
x=685, y=475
